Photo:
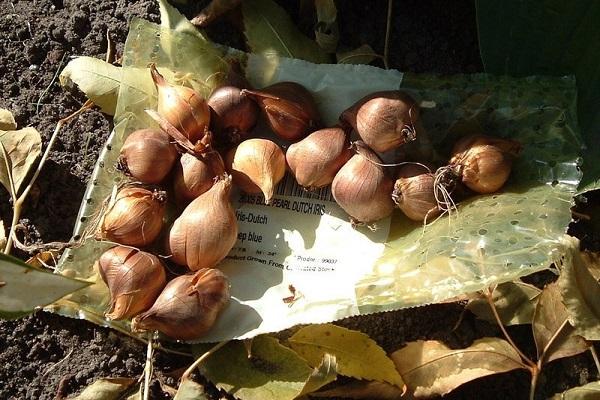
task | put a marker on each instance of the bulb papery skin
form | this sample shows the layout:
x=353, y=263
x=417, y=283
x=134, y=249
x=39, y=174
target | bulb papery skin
x=414, y=193
x=148, y=155
x=188, y=306
x=362, y=188
x=135, y=218
x=289, y=108
x=384, y=120
x=316, y=159
x=484, y=163
x=206, y=230
x=134, y=278
x=257, y=166
x=183, y=107
x=233, y=115
x=195, y=174
x=465, y=143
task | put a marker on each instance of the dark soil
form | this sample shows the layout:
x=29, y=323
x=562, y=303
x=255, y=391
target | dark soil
x=45, y=356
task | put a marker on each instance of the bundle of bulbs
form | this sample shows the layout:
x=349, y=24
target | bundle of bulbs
x=206, y=146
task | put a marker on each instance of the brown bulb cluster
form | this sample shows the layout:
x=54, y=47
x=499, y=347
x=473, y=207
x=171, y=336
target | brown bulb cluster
x=201, y=176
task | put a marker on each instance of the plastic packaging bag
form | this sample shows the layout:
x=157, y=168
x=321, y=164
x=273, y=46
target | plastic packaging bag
x=299, y=260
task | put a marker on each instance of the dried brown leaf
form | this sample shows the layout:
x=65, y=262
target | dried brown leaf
x=2, y=235
x=327, y=32
x=363, y=390
x=431, y=368
x=514, y=301
x=214, y=10
x=106, y=389
x=361, y=55
x=554, y=337
x=190, y=390
x=592, y=261
x=44, y=259
x=7, y=120
x=591, y=391
x=581, y=293
x=22, y=148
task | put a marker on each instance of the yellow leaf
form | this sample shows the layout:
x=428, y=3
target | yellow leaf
x=357, y=354
x=98, y=79
x=273, y=372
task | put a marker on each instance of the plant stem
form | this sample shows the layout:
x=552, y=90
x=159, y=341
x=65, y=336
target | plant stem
x=148, y=368
x=535, y=373
x=386, y=48
x=20, y=200
x=201, y=359
x=13, y=224
x=488, y=296
x=595, y=357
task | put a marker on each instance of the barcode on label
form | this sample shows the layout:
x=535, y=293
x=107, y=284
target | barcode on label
x=289, y=187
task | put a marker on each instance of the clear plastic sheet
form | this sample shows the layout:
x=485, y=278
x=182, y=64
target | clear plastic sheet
x=490, y=239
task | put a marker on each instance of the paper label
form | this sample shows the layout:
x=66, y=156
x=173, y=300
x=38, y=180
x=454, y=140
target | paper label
x=304, y=244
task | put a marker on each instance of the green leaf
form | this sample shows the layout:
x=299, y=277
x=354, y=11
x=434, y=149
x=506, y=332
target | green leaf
x=357, y=354
x=190, y=390
x=580, y=293
x=514, y=301
x=7, y=120
x=270, y=31
x=549, y=37
x=98, y=79
x=431, y=368
x=361, y=55
x=23, y=148
x=591, y=391
x=273, y=373
x=554, y=337
x=24, y=288
x=106, y=389
x=363, y=390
